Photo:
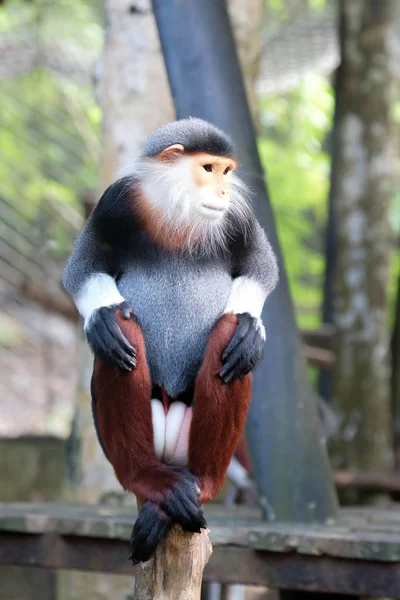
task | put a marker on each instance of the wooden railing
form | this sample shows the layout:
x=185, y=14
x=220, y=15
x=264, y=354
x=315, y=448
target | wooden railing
x=358, y=556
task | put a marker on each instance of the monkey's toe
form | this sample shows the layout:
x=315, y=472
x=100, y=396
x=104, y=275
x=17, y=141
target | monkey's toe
x=183, y=506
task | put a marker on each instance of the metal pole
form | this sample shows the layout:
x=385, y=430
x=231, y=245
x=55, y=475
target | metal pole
x=288, y=453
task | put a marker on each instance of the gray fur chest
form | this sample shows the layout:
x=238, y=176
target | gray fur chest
x=177, y=301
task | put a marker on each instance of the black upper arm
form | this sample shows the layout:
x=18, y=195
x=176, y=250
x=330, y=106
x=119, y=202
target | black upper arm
x=114, y=216
x=252, y=255
x=101, y=245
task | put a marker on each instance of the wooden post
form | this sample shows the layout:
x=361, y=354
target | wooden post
x=176, y=570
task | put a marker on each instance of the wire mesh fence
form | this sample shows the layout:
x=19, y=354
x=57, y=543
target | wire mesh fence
x=49, y=155
x=49, y=143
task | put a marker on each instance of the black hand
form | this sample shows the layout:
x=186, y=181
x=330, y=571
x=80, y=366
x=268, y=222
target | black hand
x=245, y=350
x=106, y=339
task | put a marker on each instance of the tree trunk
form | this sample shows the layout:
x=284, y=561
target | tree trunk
x=247, y=22
x=364, y=187
x=395, y=381
x=325, y=376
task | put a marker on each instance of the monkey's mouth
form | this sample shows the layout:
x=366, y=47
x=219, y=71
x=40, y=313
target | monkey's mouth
x=219, y=209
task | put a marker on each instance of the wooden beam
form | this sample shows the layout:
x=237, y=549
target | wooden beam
x=229, y=564
x=317, y=357
x=322, y=337
x=368, y=480
x=359, y=556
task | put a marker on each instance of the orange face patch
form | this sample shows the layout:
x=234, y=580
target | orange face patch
x=213, y=171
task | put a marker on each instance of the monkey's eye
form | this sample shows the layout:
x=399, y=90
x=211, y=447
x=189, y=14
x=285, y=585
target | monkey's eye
x=227, y=170
x=207, y=168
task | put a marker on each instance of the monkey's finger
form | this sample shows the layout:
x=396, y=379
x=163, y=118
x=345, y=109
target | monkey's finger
x=240, y=333
x=121, y=340
x=117, y=334
x=107, y=348
x=232, y=360
x=250, y=356
x=122, y=360
x=98, y=338
x=242, y=360
x=111, y=335
x=119, y=357
x=126, y=311
x=228, y=376
x=110, y=352
x=238, y=371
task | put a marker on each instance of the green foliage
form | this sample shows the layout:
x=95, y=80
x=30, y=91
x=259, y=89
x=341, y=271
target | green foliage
x=317, y=4
x=71, y=21
x=289, y=8
x=276, y=5
x=294, y=129
x=49, y=121
x=42, y=151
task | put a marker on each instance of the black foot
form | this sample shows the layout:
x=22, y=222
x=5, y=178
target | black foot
x=152, y=527
x=182, y=504
x=179, y=505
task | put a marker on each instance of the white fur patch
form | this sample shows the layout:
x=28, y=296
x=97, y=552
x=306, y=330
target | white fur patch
x=171, y=432
x=261, y=329
x=171, y=188
x=173, y=424
x=99, y=290
x=158, y=419
x=246, y=296
x=238, y=474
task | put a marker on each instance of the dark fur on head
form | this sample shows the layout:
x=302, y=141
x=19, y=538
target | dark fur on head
x=195, y=135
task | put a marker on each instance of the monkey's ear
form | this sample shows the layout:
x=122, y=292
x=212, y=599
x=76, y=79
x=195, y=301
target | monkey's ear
x=172, y=152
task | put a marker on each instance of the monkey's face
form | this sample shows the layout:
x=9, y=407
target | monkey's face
x=193, y=193
x=212, y=175
x=200, y=183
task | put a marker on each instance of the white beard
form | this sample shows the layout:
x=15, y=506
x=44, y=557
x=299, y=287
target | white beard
x=170, y=187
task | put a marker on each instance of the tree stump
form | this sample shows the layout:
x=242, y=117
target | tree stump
x=176, y=570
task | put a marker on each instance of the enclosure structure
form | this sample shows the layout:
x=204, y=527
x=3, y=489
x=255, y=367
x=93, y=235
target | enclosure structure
x=360, y=556
x=357, y=555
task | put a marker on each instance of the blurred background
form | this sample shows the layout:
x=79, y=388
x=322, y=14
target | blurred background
x=331, y=158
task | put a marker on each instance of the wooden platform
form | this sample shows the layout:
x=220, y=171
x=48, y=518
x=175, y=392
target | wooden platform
x=359, y=556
